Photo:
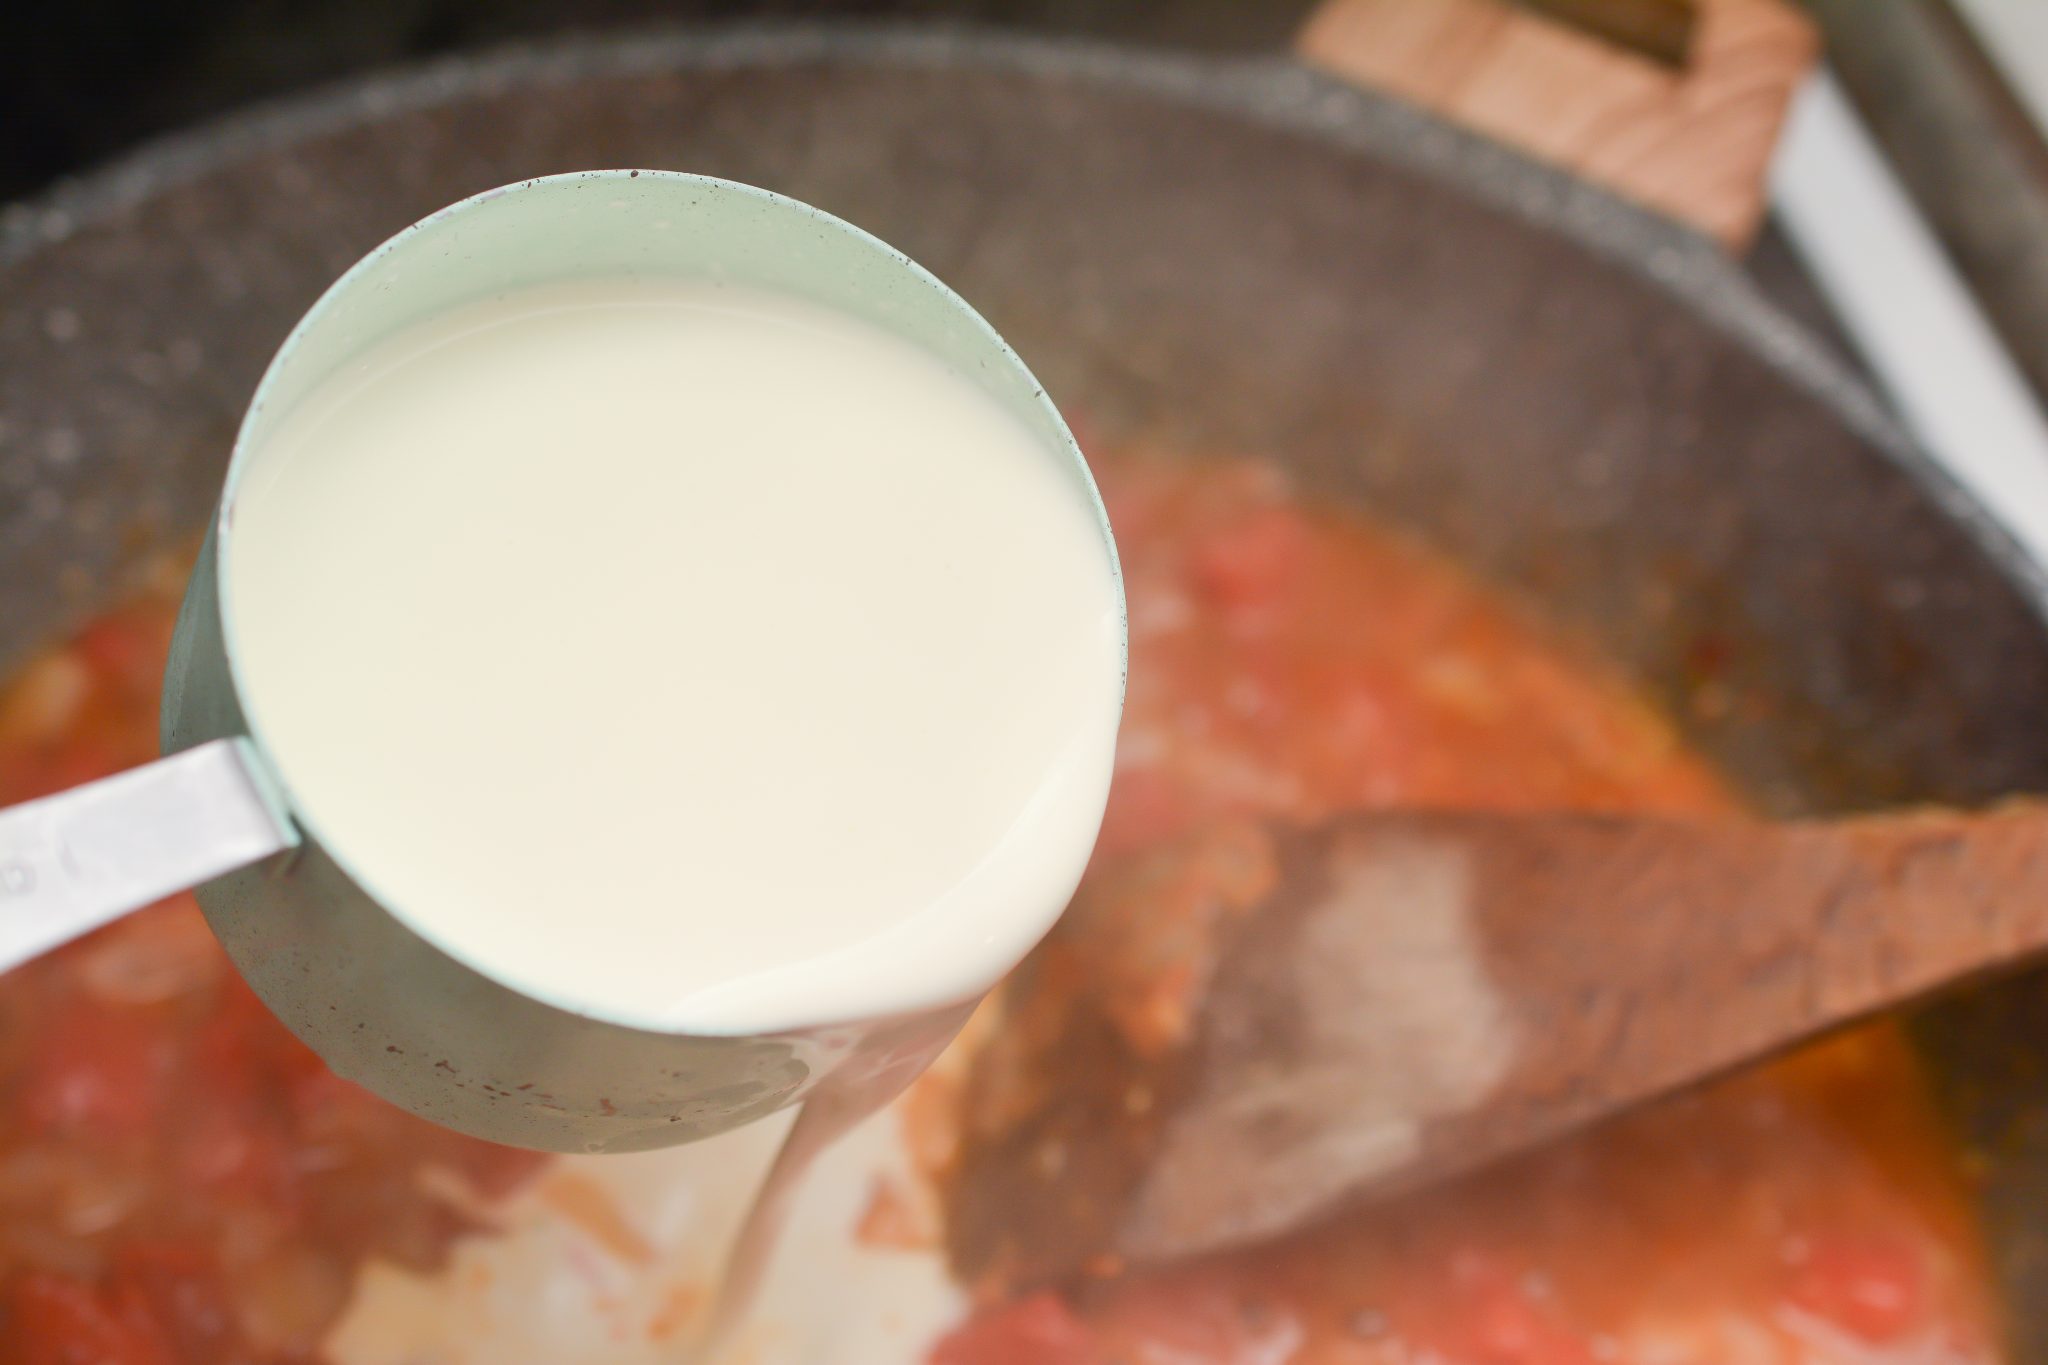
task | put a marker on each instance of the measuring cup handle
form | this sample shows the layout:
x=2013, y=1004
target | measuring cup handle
x=72, y=862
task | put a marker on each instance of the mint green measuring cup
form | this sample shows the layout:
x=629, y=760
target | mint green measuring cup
x=347, y=973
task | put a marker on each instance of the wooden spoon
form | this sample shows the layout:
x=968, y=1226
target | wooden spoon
x=1395, y=998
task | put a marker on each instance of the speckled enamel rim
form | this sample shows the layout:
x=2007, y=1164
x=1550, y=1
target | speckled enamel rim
x=1272, y=91
x=269, y=775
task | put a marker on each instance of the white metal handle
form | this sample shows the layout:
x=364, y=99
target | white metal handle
x=72, y=862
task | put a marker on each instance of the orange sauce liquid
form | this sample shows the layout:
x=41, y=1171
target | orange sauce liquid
x=1288, y=662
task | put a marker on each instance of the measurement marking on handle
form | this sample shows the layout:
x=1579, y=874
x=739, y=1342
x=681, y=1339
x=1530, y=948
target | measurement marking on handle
x=72, y=862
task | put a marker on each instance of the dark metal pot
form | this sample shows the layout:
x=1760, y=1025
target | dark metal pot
x=1580, y=401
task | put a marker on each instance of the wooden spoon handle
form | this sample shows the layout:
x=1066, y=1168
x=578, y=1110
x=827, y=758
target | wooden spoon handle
x=1426, y=993
x=1638, y=956
x=1693, y=142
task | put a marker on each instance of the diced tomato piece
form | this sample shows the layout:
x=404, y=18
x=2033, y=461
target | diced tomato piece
x=127, y=649
x=180, y=1289
x=1195, y=1313
x=317, y=1094
x=235, y=1136
x=1253, y=563
x=97, y=1066
x=245, y=1156
x=1508, y=1329
x=54, y=1320
x=1875, y=1290
x=1039, y=1330
x=1146, y=807
x=1496, y=1319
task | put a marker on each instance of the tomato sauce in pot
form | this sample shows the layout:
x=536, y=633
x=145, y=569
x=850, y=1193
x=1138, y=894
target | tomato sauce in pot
x=181, y=1182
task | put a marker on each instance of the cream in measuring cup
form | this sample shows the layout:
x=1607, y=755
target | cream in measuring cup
x=657, y=661
x=682, y=651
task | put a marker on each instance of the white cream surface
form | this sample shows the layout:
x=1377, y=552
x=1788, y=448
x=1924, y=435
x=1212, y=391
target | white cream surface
x=682, y=653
